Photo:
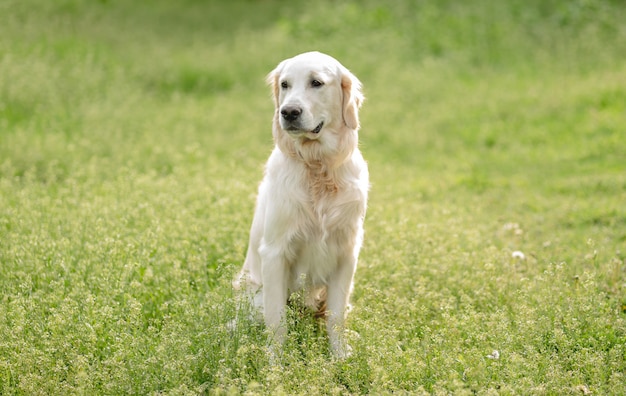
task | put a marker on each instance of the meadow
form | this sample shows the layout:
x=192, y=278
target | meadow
x=132, y=141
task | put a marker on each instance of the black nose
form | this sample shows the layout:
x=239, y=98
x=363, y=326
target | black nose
x=290, y=113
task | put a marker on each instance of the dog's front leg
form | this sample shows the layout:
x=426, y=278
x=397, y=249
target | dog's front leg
x=339, y=289
x=275, y=276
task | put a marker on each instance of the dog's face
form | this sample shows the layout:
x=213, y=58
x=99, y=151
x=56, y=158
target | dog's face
x=313, y=92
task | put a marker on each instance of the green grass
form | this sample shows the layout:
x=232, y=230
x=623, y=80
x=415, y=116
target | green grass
x=132, y=138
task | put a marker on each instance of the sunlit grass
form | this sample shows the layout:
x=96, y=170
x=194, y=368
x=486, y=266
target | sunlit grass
x=132, y=138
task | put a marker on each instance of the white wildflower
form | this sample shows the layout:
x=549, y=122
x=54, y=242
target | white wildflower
x=518, y=255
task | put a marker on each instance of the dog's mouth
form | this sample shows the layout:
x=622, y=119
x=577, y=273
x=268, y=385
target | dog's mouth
x=318, y=128
x=296, y=129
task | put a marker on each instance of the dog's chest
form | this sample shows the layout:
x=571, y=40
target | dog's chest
x=329, y=210
x=329, y=226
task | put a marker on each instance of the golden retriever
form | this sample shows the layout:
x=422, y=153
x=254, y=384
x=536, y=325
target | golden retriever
x=308, y=224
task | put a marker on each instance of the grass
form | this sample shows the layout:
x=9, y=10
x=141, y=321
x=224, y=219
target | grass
x=132, y=138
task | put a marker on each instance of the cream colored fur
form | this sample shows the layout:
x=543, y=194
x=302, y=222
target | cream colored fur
x=307, y=229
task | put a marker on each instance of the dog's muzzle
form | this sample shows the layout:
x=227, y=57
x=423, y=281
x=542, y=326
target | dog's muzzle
x=291, y=120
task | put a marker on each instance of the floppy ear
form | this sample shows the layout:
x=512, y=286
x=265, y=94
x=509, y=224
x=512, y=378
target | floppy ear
x=352, y=98
x=272, y=81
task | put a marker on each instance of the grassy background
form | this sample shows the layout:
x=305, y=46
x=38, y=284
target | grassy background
x=132, y=138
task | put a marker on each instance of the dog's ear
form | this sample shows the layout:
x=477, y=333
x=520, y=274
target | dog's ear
x=272, y=81
x=352, y=98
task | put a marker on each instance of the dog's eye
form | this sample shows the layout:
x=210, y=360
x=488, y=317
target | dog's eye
x=316, y=83
x=284, y=85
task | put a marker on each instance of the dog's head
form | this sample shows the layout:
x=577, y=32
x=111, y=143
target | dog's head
x=314, y=95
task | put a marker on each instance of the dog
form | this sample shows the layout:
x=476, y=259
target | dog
x=307, y=229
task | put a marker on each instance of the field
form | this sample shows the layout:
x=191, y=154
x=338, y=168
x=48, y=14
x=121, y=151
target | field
x=132, y=140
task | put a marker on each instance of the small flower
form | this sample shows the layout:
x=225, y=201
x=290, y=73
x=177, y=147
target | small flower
x=495, y=355
x=518, y=255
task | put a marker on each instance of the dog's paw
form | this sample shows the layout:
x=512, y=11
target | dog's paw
x=342, y=352
x=340, y=347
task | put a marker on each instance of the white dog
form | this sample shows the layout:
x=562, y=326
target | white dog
x=308, y=224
